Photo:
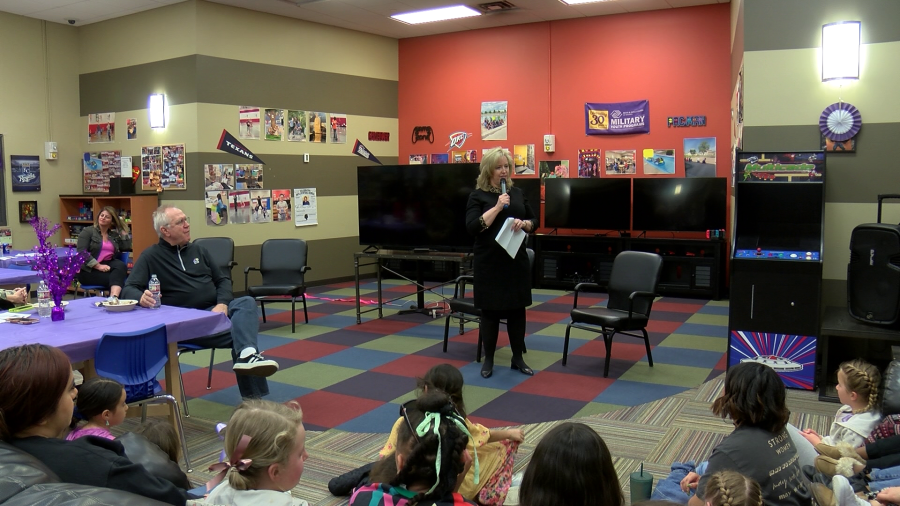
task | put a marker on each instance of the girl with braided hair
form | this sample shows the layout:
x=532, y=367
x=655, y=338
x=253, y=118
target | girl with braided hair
x=731, y=488
x=857, y=388
x=430, y=458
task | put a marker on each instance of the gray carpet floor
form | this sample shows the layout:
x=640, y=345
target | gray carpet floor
x=677, y=428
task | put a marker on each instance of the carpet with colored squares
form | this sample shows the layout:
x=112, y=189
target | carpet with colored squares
x=354, y=376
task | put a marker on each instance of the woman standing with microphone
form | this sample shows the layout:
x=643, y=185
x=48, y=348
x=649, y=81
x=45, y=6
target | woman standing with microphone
x=502, y=284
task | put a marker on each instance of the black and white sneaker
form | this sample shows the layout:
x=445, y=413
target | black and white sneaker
x=255, y=365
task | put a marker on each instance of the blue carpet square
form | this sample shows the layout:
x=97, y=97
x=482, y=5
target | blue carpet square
x=685, y=356
x=716, y=310
x=528, y=408
x=591, y=366
x=670, y=316
x=359, y=358
x=334, y=320
x=380, y=419
x=346, y=337
x=456, y=350
x=632, y=393
x=701, y=329
x=267, y=342
x=431, y=331
x=503, y=378
x=278, y=392
x=373, y=385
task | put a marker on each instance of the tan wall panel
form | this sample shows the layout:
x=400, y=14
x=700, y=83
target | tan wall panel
x=149, y=36
x=215, y=117
x=27, y=122
x=840, y=220
x=180, y=129
x=240, y=34
x=785, y=87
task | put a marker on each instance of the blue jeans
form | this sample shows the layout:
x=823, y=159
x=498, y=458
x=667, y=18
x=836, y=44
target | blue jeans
x=244, y=317
x=669, y=488
x=880, y=479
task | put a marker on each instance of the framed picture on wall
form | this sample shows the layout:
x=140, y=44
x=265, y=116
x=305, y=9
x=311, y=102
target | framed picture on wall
x=27, y=210
x=2, y=185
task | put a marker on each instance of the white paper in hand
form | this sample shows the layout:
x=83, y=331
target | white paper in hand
x=508, y=239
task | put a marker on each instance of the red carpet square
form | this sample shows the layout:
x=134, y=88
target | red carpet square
x=680, y=307
x=662, y=325
x=195, y=381
x=327, y=409
x=567, y=386
x=545, y=317
x=305, y=350
x=415, y=366
x=620, y=350
x=385, y=326
x=492, y=422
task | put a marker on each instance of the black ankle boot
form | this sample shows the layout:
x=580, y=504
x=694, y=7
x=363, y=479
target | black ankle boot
x=487, y=368
x=519, y=365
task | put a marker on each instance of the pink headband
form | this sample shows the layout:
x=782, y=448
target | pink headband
x=236, y=462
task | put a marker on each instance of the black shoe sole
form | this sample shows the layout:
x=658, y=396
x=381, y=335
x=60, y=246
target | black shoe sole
x=262, y=371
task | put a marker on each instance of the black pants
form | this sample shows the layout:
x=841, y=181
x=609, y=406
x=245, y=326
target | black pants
x=490, y=329
x=115, y=276
x=883, y=453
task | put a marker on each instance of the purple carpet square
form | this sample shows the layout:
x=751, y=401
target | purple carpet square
x=656, y=337
x=553, y=307
x=528, y=408
x=345, y=337
x=432, y=331
x=373, y=385
x=632, y=393
x=329, y=308
x=670, y=316
x=591, y=366
x=359, y=358
x=456, y=350
x=335, y=320
x=535, y=327
x=552, y=344
x=503, y=378
x=278, y=392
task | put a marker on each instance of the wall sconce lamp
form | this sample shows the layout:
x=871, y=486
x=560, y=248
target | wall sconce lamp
x=840, y=50
x=157, y=110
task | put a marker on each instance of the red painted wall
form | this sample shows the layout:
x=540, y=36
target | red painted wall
x=678, y=59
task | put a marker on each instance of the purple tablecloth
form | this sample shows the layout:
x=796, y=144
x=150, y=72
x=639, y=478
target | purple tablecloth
x=85, y=324
x=21, y=257
x=18, y=276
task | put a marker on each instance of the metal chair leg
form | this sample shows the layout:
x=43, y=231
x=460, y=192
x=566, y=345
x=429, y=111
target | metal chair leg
x=212, y=358
x=293, y=316
x=187, y=413
x=446, y=330
x=305, y=315
x=608, y=342
x=566, y=344
x=647, y=344
x=262, y=307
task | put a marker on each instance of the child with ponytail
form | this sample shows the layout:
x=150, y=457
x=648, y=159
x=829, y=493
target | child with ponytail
x=731, y=488
x=430, y=458
x=266, y=447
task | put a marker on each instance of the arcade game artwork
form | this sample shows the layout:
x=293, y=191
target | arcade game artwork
x=775, y=166
x=793, y=357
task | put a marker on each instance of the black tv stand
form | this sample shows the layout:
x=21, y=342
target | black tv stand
x=691, y=267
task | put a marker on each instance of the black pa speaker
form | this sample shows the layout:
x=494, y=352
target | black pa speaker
x=121, y=186
x=873, y=274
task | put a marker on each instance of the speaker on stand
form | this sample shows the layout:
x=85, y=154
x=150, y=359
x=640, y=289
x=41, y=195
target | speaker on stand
x=873, y=274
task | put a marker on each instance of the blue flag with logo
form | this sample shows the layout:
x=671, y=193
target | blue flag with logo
x=617, y=118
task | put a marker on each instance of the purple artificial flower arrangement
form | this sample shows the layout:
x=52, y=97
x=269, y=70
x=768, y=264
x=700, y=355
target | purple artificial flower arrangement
x=57, y=273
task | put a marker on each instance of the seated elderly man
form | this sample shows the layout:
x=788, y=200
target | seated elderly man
x=189, y=278
x=11, y=298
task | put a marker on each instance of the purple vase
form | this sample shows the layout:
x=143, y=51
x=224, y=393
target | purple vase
x=57, y=313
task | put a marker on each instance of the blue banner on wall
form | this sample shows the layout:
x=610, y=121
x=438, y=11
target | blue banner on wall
x=617, y=118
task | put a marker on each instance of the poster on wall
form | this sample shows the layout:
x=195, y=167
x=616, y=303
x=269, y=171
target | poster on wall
x=317, y=124
x=493, y=121
x=617, y=118
x=151, y=163
x=658, y=161
x=239, y=206
x=305, y=207
x=470, y=156
x=281, y=205
x=523, y=158
x=131, y=129
x=216, y=209
x=172, y=177
x=620, y=161
x=248, y=122
x=338, y=128
x=101, y=127
x=700, y=157
x=440, y=158
x=248, y=176
x=97, y=168
x=274, y=122
x=26, y=173
x=260, y=206
x=296, y=131
x=218, y=176
x=589, y=164
x=552, y=169
x=418, y=159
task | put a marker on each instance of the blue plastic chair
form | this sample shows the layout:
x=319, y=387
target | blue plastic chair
x=134, y=359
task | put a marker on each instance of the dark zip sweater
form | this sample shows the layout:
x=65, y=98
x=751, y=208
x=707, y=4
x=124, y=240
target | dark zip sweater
x=187, y=276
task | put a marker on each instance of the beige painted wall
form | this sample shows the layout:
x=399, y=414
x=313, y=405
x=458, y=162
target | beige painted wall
x=39, y=100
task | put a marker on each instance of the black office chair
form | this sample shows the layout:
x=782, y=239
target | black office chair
x=632, y=289
x=221, y=249
x=282, y=263
x=463, y=308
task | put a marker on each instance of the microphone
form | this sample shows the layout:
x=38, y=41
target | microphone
x=503, y=190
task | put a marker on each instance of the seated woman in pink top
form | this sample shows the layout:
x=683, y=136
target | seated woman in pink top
x=101, y=401
x=103, y=241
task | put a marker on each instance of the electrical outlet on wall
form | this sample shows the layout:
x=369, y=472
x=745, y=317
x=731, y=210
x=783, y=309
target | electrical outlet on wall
x=305, y=157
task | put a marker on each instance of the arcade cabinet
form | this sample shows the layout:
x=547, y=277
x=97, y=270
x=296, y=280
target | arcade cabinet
x=776, y=264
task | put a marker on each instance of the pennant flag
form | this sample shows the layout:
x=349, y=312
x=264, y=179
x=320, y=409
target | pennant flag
x=359, y=149
x=229, y=144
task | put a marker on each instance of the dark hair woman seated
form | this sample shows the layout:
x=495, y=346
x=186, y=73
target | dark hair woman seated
x=37, y=398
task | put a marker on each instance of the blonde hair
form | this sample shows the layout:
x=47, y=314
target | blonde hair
x=863, y=378
x=272, y=428
x=117, y=222
x=488, y=163
x=730, y=488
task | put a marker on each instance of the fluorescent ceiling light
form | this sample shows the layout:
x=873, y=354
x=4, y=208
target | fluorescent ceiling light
x=576, y=2
x=440, y=14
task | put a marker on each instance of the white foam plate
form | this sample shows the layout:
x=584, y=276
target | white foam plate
x=123, y=305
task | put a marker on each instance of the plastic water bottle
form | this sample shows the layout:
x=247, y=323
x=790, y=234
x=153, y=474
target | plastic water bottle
x=43, y=293
x=154, y=289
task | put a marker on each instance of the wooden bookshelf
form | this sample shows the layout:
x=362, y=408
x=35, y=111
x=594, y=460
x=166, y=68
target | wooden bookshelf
x=137, y=210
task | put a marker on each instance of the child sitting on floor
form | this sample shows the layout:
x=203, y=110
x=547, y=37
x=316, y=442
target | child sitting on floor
x=430, y=457
x=101, y=401
x=731, y=488
x=266, y=447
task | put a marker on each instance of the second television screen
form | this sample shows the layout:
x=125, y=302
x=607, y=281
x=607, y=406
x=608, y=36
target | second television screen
x=592, y=203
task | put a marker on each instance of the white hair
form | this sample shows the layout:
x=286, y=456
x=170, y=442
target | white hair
x=161, y=218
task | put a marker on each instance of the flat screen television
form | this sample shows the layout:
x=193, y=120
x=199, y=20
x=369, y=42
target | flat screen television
x=692, y=204
x=592, y=203
x=531, y=187
x=415, y=206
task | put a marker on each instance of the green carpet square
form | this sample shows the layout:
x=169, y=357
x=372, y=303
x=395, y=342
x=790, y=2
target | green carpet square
x=559, y=330
x=666, y=374
x=340, y=292
x=718, y=303
x=596, y=408
x=398, y=344
x=476, y=396
x=709, y=319
x=304, y=331
x=201, y=358
x=408, y=396
x=314, y=375
x=201, y=408
x=695, y=342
